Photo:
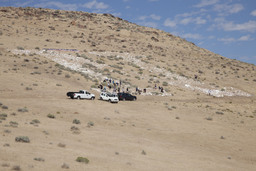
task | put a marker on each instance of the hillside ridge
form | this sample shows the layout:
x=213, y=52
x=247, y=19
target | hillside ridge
x=175, y=123
x=98, y=33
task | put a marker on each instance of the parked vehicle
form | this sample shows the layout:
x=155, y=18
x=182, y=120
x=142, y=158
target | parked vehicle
x=126, y=96
x=82, y=94
x=109, y=97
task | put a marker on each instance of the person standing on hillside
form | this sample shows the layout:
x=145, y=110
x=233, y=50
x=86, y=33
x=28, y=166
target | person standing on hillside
x=196, y=77
x=209, y=92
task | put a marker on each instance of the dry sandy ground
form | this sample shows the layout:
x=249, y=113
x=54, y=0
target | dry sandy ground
x=182, y=132
x=187, y=131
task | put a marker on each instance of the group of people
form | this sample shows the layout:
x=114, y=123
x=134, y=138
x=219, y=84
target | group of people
x=160, y=88
x=116, y=87
x=110, y=83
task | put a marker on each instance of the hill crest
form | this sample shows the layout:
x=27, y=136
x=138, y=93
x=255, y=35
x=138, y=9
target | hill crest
x=103, y=35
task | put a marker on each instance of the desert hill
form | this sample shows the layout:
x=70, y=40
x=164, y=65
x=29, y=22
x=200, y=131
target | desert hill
x=44, y=53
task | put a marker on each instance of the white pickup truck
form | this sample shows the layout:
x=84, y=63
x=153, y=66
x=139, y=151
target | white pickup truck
x=82, y=94
x=109, y=97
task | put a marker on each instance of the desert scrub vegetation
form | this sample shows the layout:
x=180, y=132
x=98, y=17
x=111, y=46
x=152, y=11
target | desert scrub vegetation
x=13, y=124
x=23, y=139
x=61, y=145
x=133, y=65
x=219, y=113
x=116, y=67
x=3, y=116
x=209, y=118
x=117, y=71
x=4, y=107
x=100, y=61
x=82, y=160
x=67, y=76
x=23, y=110
x=75, y=130
x=137, y=77
x=34, y=122
x=51, y=116
x=171, y=107
x=28, y=88
x=90, y=66
x=165, y=83
x=90, y=124
x=143, y=152
x=16, y=168
x=20, y=48
x=76, y=121
x=65, y=166
x=39, y=159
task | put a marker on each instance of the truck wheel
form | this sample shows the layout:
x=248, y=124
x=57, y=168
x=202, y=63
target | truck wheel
x=79, y=97
x=109, y=101
x=92, y=98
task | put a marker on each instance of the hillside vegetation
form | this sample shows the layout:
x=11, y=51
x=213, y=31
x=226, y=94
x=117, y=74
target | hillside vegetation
x=203, y=123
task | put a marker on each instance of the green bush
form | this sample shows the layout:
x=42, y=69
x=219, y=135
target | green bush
x=35, y=121
x=20, y=48
x=24, y=139
x=89, y=124
x=51, y=116
x=82, y=160
x=165, y=83
x=13, y=124
x=3, y=116
x=76, y=121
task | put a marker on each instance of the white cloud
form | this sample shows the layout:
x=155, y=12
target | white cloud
x=211, y=37
x=192, y=36
x=225, y=9
x=249, y=26
x=253, y=13
x=186, y=21
x=231, y=39
x=169, y=23
x=225, y=25
x=21, y=4
x=142, y=18
x=235, y=8
x=199, y=20
x=155, y=17
x=227, y=40
x=152, y=16
x=70, y=7
x=95, y=5
x=245, y=38
x=204, y=3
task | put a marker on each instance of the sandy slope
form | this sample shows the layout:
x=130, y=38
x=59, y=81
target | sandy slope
x=187, y=131
x=180, y=138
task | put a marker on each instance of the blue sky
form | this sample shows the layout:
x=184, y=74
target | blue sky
x=225, y=27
